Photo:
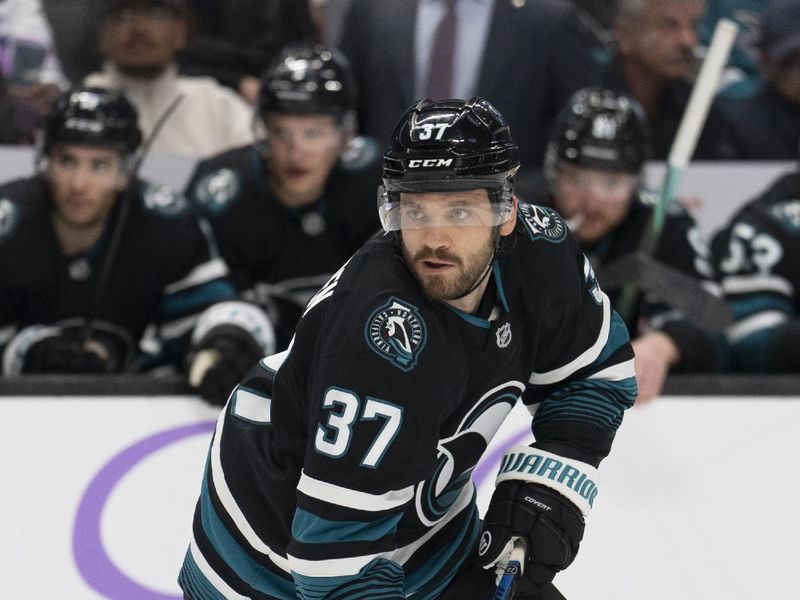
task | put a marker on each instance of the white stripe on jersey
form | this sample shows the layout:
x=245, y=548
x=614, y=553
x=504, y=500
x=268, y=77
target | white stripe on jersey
x=586, y=358
x=202, y=273
x=211, y=574
x=763, y=320
x=334, y=494
x=352, y=565
x=228, y=502
x=251, y=407
x=617, y=372
x=759, y=282
x=334, y=567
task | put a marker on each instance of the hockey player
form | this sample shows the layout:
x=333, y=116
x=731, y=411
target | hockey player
x=289, y=211
x=92, y=256
x=340, y=467
x=593, y=164
x=756, y=256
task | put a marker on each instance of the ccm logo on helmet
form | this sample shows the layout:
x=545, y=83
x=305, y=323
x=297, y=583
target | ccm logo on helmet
x=416, y=163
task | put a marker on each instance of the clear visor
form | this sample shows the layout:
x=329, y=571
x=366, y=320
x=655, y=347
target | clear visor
x=446, y=203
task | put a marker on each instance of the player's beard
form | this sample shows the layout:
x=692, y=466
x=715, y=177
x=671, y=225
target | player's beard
x=451, y=286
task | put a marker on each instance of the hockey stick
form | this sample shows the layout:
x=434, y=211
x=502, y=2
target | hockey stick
x=121, y=221
x=669, y=285
x=514, y=567
x=683, y=146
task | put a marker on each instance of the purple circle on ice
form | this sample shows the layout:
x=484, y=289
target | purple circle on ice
x=91, y=558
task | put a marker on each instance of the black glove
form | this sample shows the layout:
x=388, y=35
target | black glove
x=550, y=525
x=220, y=361
x=65, y=351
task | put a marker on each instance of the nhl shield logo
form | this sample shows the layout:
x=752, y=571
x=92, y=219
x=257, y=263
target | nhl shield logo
x=503, y=335
x=397, y=333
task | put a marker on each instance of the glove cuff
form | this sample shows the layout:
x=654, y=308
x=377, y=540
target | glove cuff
x=234, y=313
x=17, y=349
x=575, y=480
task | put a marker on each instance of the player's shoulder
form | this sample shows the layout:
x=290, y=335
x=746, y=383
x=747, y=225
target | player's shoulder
x=20, y=200
x=361, y=155
x=219, y=181
x=161, y=202
x=778, y=208
x=541, y=225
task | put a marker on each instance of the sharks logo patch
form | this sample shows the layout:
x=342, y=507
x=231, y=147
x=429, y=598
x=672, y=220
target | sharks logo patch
x=8, y=218
x=542, y=223
x=788, y=215
x=217, y=190
x=397, y=333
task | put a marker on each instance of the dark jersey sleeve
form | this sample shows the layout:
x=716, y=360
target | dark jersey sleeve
x=756, y=258
x=582, y=378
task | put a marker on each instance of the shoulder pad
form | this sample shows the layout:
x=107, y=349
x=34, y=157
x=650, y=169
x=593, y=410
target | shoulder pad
x=9, y=217
x=215, y=191
x=786, y=213
x=542, y=222
x=164, y=200
x=360, y=153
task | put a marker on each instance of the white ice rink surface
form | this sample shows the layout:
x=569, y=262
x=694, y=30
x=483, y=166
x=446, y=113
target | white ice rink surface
x=698, y=499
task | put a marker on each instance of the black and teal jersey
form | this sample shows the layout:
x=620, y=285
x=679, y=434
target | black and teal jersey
x=757, y=256
x=280, y=256
x=340, y=468
x=164, y=274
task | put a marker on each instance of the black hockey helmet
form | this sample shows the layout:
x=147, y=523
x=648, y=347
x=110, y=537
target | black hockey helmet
x=308, y=79
x=449, y=145
x=600, y=129
x=92, y=116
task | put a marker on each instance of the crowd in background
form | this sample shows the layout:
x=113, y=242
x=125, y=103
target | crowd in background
x=559, y=72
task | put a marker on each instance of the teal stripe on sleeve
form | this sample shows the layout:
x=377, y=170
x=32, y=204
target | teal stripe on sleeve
x=308, y=528
x=245, y=566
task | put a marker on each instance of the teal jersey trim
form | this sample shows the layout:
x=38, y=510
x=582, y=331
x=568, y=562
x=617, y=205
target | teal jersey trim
x=308, y=528
x=197, y=297
x=194, y=583
x=599, y=402
x=378, y=579
x=245, y=566
x=744, y=307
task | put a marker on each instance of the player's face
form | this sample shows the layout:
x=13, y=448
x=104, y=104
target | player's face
x=453, y=249
x=785, y=76
x=303, y=149
x=142, y=39
x=84, y=183
x=663, y=38
x=594, y=201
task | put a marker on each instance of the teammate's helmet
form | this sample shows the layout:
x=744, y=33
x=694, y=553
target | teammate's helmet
x=93, y=117
x=449, y=145
x=599, y=129
x=308, y=79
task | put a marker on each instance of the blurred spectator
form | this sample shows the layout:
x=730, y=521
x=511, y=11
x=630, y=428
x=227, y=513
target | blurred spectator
x=91, y=256
x=527, y=58
x=289, y=211
x=234, y=41
x=139, y=40
x=741, y=75
x=657, y=44
x=767, y=126
x=593, y=166
x=596, y=18
x=757, y=260
x=29, y=64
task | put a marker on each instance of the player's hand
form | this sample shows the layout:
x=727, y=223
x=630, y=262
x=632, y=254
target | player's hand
x=549, y=524
x=53, y=349
x=655, y=353
x=220, y=361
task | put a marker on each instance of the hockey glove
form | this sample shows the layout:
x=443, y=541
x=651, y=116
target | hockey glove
x=52, y=349
x=542, y=498
x=228, y=340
